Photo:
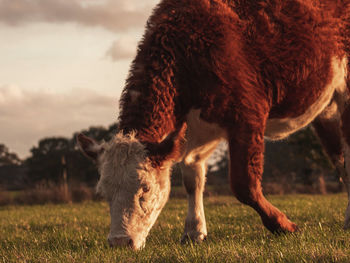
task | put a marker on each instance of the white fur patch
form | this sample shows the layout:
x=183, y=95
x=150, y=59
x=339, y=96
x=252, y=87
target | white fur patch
x=201, y=136
x=281, y=128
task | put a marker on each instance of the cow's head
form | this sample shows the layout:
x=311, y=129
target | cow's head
x=135, y=189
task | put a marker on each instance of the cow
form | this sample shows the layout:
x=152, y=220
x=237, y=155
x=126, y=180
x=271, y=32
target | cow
x=213, y=70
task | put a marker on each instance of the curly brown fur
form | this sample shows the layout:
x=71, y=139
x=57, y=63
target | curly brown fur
x=232, y=59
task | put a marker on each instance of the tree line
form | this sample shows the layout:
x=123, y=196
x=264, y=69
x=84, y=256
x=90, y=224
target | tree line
x=54, y=155
x=298, y=158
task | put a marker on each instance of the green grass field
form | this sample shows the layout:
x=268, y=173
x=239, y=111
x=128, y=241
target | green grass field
x=77, y=233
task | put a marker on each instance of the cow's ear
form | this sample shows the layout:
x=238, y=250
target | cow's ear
x=170, y=147
x=89, y=147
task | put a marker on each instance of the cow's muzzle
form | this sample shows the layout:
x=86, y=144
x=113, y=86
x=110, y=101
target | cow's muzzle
x=123, y=241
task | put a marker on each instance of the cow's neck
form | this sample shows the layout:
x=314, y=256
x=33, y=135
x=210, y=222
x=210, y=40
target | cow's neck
x=147, y=105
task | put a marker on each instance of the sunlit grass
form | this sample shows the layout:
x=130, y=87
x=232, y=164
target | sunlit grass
x=77, y=233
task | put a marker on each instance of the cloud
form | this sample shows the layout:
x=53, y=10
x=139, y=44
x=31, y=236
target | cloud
x=113, y=15
x=28, y=116
x=123, y=48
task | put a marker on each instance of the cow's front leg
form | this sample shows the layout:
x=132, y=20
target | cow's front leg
x=246, y=168
x=193, y=174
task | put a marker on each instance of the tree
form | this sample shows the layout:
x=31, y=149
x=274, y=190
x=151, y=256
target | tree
x=46, y=161
x=299, y=159
x=296, y=159
x=99, y=133
x=8, y=158
x=308, y=146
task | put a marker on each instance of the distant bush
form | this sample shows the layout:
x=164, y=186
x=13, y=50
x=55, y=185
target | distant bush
x=49, y=193
x=5, y=198
x=81, y=193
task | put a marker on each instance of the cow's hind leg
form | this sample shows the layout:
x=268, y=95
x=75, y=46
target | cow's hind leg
x=346, y=147
x=193, y=170
x=328, y=129
x=334, y=132
x=331, y=136
x=246, y=168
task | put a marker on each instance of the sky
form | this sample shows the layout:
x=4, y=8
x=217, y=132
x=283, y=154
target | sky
x=63, y=64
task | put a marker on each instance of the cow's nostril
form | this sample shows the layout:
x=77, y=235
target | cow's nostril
x=131, y=243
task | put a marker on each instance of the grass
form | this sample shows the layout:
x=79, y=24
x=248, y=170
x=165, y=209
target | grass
x=77, y=233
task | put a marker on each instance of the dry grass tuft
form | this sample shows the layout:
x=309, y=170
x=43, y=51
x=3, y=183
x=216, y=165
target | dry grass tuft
x=49, y=194
x=43, y=195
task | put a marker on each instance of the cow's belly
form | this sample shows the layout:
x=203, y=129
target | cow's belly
x=281, y=128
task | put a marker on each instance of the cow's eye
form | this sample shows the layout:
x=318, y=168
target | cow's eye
x=145, y=188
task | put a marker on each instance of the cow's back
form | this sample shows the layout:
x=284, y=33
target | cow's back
x=288, y=49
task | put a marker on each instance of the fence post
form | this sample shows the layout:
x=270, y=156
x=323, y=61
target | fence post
x=65, y=181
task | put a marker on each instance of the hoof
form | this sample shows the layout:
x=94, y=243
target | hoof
x=283, y=227
x=195, y=237
x=292, y=228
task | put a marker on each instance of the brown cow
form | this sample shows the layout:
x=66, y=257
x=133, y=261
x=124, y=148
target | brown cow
x=208, y=70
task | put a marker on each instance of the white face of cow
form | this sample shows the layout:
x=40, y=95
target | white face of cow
x=136, y=191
